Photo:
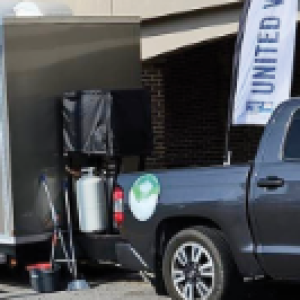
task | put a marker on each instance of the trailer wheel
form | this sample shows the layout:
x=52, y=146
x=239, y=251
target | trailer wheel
x=197, y=264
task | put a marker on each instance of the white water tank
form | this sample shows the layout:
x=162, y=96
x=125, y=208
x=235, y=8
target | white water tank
x=91, y=202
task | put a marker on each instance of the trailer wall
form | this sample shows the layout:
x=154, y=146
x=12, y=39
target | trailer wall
x=43, y=58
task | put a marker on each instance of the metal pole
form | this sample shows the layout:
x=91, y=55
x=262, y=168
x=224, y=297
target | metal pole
x=236, y=60
x=68, y=211
x=227, y=152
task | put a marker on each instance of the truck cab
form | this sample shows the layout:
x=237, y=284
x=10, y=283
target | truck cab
x=274, y=199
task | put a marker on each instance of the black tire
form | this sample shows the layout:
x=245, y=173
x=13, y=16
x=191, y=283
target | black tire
x=225, y=282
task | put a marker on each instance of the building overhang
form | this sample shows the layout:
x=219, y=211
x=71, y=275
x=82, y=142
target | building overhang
x=168, y=34
x=171, y=33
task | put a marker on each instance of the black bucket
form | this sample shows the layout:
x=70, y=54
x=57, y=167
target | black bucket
x=44, y=278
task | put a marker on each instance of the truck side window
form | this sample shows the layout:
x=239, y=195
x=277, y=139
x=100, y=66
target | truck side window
x=292, y=142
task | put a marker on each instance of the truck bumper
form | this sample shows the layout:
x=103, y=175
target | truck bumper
x=109, y=248
x=98, y=247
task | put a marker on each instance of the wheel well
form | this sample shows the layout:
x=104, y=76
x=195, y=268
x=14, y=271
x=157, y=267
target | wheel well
x=169, y=227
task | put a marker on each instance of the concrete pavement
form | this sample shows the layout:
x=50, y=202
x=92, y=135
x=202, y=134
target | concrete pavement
x=111, y=283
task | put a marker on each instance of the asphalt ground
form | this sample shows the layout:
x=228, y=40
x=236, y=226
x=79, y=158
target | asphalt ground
x=111, y=283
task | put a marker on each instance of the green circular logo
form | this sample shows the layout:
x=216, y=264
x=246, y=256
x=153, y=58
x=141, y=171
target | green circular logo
x=143, y=197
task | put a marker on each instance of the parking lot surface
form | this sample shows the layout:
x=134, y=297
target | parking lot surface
x=111, y=283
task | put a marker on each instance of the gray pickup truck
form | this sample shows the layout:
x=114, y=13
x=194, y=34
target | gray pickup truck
x=201, y=230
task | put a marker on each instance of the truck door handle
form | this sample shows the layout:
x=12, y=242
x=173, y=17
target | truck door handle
x=271, y=182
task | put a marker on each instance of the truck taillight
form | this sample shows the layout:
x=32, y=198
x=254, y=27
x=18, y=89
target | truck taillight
x=118, y=205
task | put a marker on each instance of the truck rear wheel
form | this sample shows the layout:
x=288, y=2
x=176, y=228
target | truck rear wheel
x=197, y=264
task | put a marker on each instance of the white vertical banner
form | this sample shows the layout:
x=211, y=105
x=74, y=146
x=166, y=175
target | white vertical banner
x=266, y=57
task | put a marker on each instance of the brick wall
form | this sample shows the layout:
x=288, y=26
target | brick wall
x=193, y=105
x=190, y=92
x=153, y=81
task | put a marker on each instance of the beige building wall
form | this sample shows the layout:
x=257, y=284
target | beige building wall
x=146, y=9
x=90, y=7
x=168, y=25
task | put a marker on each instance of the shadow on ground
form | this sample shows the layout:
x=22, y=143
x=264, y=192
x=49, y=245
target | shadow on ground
x=272, y=291
x=97, y=275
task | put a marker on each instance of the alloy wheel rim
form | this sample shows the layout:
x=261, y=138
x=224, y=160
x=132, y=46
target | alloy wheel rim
x=192, y=271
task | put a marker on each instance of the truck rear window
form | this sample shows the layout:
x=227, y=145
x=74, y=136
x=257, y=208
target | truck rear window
x=292, y=142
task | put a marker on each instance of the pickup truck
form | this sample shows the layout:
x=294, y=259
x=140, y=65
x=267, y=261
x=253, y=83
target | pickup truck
x=201, y=230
